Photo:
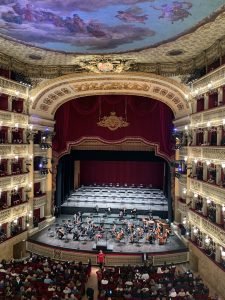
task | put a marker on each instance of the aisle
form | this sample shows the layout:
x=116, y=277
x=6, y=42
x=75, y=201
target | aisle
x=92, y=283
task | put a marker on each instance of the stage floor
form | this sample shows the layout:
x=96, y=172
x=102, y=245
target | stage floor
x=173, y=244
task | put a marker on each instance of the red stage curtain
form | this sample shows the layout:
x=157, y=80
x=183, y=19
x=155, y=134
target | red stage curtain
x=122, y=172
x=149, y=119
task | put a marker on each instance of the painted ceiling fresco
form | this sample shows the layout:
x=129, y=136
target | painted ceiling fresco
x=102, y=26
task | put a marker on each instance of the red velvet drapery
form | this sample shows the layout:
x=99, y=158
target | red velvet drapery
x=148, y=119
x=122, y=172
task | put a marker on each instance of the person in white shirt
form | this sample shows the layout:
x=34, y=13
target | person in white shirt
x=173, y=293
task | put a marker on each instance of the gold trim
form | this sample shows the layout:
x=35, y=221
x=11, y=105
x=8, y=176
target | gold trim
x=113, y=122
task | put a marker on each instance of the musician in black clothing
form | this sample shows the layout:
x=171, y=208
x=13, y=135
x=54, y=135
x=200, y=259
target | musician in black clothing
x=76, y=236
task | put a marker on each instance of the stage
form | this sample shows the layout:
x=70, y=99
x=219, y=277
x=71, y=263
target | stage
x=48, y=240
x=143, y=199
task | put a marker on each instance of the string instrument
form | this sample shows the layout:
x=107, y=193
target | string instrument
x=120, y=235
x=60, y=233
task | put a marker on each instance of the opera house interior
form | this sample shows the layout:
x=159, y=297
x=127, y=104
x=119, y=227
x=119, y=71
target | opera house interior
x=112, y=149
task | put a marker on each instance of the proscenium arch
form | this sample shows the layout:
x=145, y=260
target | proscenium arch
x=51, y=94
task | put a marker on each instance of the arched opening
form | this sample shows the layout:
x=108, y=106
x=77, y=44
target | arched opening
x=136, y=155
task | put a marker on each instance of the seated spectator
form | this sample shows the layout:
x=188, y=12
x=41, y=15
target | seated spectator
x=172, y=293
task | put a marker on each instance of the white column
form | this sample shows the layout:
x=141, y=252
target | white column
x=194, y=136
x=24, y=107
x=203, y=240
x=204, y=207
x=42, y=212
x=24, y=135
x=193, y=169
x=218, y=254
x=194, y=106
x=23, y=223
x=205, y=171
x=219, y=135
x=192, y=235
x=24, y=165
x=9, y=166
x=9, y=201
x=8, y=230
x=218, y=174
x=23, y=195
x=193, y=203
x=220, y=96
x=9, y=103
x=218, y=214
x=9, y=132
x=206, y=101
x=42, y=186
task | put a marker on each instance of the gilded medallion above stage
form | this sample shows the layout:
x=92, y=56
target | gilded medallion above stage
x=94, y=26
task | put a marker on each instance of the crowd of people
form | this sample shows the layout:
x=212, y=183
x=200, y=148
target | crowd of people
x=42, y=278
x=149, y=282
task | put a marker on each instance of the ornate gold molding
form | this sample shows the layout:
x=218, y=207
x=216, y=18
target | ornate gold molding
x=214, y=231
x=217, y=77
x=10, y=118
x=12, y=88
x=38, y=177
x=52, y=94
x=208, y=190
x=182, y=207
x=9, y=214
x=40, y=201
x=97, y=143
x=112, y=122
x=10, y=182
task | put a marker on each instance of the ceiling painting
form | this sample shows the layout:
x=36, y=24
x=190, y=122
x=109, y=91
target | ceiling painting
x=96, y=26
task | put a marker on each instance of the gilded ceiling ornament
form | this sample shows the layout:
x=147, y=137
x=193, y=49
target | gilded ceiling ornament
x=112, y=122
x=96, y=66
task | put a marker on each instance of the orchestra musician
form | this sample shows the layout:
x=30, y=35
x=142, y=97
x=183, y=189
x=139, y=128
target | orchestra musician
x=120, y=235
x=121, y=214
x=60, y=233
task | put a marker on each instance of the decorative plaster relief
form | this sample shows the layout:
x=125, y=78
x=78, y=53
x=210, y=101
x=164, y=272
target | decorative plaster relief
x=20, y=149
x=182, y=207
x=195, y=185
x=40, y=201
x=194, y=218
x=214, y=231
x=196, y=152
x=20, y=118
x=5, y=150
x=214, y=153
x=5, y=117
x=217, y=77
x=7, y=215
x=217, y=113
x=38, y=176
x=216, y=193
x=10, y=85
x=19, y=179
x=183, y=151
x=5, y=182
x=196, y=119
